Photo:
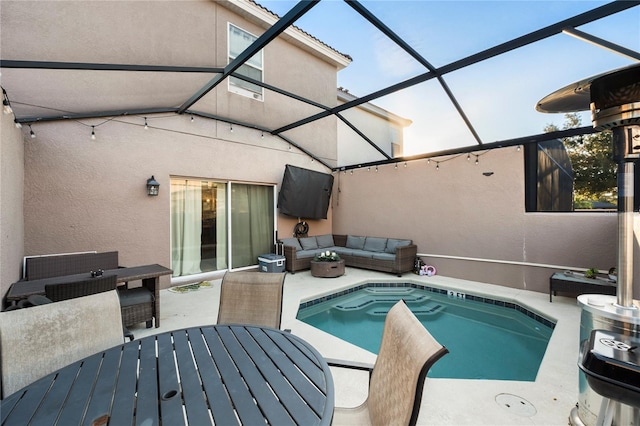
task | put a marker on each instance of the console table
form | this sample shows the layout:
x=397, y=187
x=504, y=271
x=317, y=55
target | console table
x=563, y=281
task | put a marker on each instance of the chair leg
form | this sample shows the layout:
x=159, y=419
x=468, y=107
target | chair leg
x=127, y=333
x=149, y=323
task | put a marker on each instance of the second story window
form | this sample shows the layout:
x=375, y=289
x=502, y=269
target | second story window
x=239, y=40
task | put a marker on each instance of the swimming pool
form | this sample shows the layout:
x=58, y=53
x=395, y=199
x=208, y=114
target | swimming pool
x=487, y=338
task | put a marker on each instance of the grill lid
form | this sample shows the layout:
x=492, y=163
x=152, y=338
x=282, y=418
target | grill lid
x=611, y=363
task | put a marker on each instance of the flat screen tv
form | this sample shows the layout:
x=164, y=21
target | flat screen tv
x=305, y=193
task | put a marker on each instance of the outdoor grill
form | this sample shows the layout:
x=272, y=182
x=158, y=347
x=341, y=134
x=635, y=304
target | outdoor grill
x=611, y=363
x=606, y=397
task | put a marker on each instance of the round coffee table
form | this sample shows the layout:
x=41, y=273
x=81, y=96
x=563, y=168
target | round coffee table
x=327, y=269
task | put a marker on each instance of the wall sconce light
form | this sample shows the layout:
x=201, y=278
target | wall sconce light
x=153, y=186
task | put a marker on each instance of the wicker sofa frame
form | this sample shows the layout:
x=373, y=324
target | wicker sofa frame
x=403, y=262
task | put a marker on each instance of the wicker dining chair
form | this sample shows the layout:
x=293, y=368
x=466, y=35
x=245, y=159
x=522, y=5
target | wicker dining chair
x=253, y=298
x=396, y=380
x=64, y=291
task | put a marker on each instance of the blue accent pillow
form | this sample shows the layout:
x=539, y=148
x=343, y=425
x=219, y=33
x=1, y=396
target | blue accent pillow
x=355, y=242
x=292, y=242
x=309, y=243
x=392, y=244
x=325, y=241
x=375, y=244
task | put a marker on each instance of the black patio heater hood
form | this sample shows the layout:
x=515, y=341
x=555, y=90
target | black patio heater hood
x=614, y=101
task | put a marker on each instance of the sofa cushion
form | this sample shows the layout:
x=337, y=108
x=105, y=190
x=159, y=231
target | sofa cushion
x=354, y=242
x=384, y=256
x=293, y=242
x=306, y=253
x=362, y=253
x=392, y=244
x=375, y=244
x=309, y=243
x=325, y=241
x=343, y=251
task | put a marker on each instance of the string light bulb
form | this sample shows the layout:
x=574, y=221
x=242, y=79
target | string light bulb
x=262, y=135
x=31, y=132
x=376, y=169
x=192, y=119
x=231, y=127
x=18, y=125
x=396, y=166
x=477, y=159
x=146, y=126
x=405, y=164
x=351, y=171
x=6, y=105
x=468, y=157
x=93, y=133
x=437, y=165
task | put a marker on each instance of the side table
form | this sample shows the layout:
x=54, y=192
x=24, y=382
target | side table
x=327, y=269
x=579, y=284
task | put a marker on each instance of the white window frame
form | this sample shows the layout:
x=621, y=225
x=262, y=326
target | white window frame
x=233, y=86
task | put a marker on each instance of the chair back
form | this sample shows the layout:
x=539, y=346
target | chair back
x=253, y=298
x=407, y=352
x=84, y=287
x=41, y=339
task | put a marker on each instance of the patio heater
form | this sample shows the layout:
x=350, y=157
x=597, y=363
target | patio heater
x=614, y=100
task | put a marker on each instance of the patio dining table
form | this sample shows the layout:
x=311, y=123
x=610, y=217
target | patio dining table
x=227, y=375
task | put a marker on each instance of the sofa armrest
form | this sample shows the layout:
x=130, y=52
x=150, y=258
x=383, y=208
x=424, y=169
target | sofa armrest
x=405, y=256
x=289, y=252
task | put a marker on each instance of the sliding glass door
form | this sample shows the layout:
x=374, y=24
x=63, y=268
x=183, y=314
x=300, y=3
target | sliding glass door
x=214, y=221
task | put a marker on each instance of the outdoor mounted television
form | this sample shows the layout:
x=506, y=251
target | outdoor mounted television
x=305, y=193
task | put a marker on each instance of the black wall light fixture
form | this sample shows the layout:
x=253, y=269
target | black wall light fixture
x=153, y=186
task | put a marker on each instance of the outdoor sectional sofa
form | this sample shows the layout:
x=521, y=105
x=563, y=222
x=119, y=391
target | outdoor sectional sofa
x=379, y=254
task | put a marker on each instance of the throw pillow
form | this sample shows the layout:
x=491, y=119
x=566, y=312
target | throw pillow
x=355, y=242
x=292, y=242
x=309, y=243
x=375, y=244
x=325, y=241
x=392, y=244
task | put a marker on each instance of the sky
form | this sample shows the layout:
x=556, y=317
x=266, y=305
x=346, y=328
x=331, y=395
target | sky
x=498, y=95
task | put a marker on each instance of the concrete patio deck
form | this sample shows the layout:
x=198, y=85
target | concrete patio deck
x=548, y=400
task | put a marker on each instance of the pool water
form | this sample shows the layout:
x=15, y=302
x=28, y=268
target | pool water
x=485, y=341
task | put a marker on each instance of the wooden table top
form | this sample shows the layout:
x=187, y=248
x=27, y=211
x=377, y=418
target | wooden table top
x=224, y=374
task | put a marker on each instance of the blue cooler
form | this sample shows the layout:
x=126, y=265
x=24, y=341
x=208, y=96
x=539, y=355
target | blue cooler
x=271, y=262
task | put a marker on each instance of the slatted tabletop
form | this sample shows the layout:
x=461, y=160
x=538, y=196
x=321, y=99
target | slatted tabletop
x=224, y=375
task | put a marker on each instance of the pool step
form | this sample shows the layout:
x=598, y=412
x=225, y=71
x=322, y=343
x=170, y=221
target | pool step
x=390, y=298
x=431, y=309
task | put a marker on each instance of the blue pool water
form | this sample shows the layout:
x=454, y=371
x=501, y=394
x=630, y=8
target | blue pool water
x=486, y=338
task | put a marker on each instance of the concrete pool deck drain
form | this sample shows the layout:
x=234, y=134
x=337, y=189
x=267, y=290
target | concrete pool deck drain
x=515, y=404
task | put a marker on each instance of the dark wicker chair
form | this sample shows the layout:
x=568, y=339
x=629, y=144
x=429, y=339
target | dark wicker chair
x=64, y=291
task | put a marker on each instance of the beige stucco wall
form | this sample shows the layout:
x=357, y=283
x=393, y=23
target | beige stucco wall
x=82, y=194
x=11, y=206
x=457, y=211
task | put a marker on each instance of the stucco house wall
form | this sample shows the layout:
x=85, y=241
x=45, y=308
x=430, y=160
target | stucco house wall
x=11, y=202
x=473, y=226
x=83, y=194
